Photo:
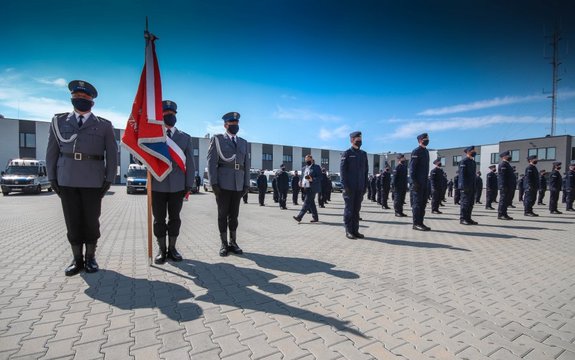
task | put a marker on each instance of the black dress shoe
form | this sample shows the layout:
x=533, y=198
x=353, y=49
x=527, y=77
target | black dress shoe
x=313, y=220
x=296, y=219
x=160, y=259
x=398, y=215
x=358, y=235
x=512, y=206
x=75, y=267
x=174, y=255
x=489, y=208
x=234, y=248
x=436, y=212
x=420, y=228
x=569, y=209
x=473, y=222
x=403, y=215
x=465, y=222
x=556, y=212
x=531, y=214
x=224, y=250
x=349, y=235
x=91, y=265
x=505, y=217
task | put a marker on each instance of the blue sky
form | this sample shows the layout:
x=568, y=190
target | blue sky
x=303, y=72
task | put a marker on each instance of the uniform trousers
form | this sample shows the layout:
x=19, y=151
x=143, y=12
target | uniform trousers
x=309, y=204
x=553, y=200
x=398, y=200
x=170, y=203
x=569, y=197
x=351, y=211
x=541, y=196
x=82, y=208
x=294, y=196
x=228, y=209
x=529, y=198
x=435, y=199
x=478, y=194
x=419, y=199
x=466, y=207
x=261, y=196
x=504, y=201
x=384, y=197
x=457, y=196
x=490, y=196
x=283, y=198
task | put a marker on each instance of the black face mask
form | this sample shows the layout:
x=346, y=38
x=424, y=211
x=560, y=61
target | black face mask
x=507, y=159
x=558, y=168
x=233, y=129
x=534, y=162
x=425, y=142
x=82, y=104
x=473, y=154
x=358, y=143
x=170, y=119
x=402, y=162
x=308, y=162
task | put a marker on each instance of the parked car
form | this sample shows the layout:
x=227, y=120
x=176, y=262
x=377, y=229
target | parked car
x=25, y=175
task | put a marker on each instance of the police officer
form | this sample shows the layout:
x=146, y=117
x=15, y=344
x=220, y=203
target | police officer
x=295, y=187
x=283, y=186
x=81, y=161
x=456, y=192
x=542, y=187
x=262, y=183
x=399, y=185
x=450, y=188
x=519, y=185
x=418, y=171
x=570, y=187
x=378, y=187
x=275, y=191
x=530, y=186
x=168, y=194
x=491, y=188
x=478, y=187
x=436, y=178
x=506, y=184
x=228, y=171
x=373, y=186
x=467, y=175
x=353, y=169
x=385, y=186
x=311, y=174
x=555, y=182
x=322, y=196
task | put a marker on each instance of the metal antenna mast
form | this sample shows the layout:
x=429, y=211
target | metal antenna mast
x=555, y=62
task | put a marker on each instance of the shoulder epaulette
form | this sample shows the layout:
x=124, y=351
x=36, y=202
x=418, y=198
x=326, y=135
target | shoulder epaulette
x=102, y=119
x=60, y=115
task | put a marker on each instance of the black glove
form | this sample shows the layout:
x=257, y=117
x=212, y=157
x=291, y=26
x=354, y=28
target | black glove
x=216, y=189
x=55, y=187
x=105, y=188
x=246, y=190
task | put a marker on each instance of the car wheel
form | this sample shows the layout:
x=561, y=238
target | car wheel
x=205, y=188
x=39, y=189
x=5, y=193
x=50, y=189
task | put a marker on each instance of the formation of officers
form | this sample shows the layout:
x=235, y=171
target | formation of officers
x=81, y=161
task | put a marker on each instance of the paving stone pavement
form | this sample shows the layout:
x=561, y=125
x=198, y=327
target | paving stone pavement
x=499, y=290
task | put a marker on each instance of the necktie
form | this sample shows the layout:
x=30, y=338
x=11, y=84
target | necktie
x=234, y=141
x=169, y=132
x=80, y=120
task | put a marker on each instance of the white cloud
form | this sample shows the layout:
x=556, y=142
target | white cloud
x=414, y=127
x=59, y=82
x=338, y=133
x=304, y=114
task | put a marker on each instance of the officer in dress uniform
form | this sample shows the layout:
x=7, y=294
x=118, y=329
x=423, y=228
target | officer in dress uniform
x=262, y=183
x=322, y=196
x=555, y=182
x=542, y=187
x=228, y=171
x=506, y=184
x=283, y=186
x=385, y=186
x=450, y=188
x=378, y=187
x=399, y=185
x=295, y=187
x=168, y=194
x=369, y=179
x=456, y=192
x=491, y=188
x=530, y=186
x=436, y=178
x=419, y=170
x=81, y=161
x=373, y=186
x=467, y=174
x=570, y=187
x=311, y=174
x=353, y=169
x=478, y=187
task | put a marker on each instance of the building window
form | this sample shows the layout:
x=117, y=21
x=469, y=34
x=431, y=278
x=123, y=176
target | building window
x=543, y=153
x=514, y=155
x=478, y=159
x=442, y=160
x=456, y=160
x=27, y=140
x=287, y=158
x=269, y=157
x=324, y=161
x=494, y=158
x=196, y=152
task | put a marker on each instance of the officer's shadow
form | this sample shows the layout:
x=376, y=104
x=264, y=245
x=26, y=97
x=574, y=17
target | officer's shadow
x=127, y=293
x=298, y=265
x=234, y=286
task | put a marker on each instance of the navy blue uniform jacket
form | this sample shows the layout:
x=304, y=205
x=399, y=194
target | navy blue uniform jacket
x=419, y=167
x=555, y=181
x=400, y=178
x=353, y=170
x=467, y=172
x=531, y=178
x=505, y=176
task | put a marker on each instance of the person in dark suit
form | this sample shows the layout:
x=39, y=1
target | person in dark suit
x=456, y=191
x=81, y=164
x=311, y=174
x=506, y=184
x=444, y=189
x=450, y=188
x=295, y=180
x=385, y=185
x=369, y=179
x=353, y=169
x=491, y=188
x=570, y=187
x=530, y=186
x=378, y=187
x=555, y=183
x=519, y=185
x=419, y=171
x=283, y=186
x=373, y=186
x=542, y=187
x=275, y=191
x=168, y=194
x=229, y=176
x=478, y=187
x=322, y=196
x=436, y=178
x=399, y=185
x=467, y=175
x=262, y=183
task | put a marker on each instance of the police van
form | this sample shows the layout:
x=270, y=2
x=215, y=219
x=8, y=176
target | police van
x=25, y=175
x=136, y=178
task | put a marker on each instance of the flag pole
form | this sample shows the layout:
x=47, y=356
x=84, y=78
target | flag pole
x=149, y=196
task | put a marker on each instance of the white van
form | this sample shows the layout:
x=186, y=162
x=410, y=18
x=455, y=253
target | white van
x=136, y=178
x=25, y=175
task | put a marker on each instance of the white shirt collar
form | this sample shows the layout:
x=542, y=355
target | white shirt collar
x=86, y=115
x=173, y=129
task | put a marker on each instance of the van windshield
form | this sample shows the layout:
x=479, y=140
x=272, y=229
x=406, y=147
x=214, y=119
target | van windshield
x=335, y=177
x=22, y=170
x=137, y=173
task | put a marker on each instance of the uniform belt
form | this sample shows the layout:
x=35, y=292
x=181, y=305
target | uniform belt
x=81, y=156
x=231, y=166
